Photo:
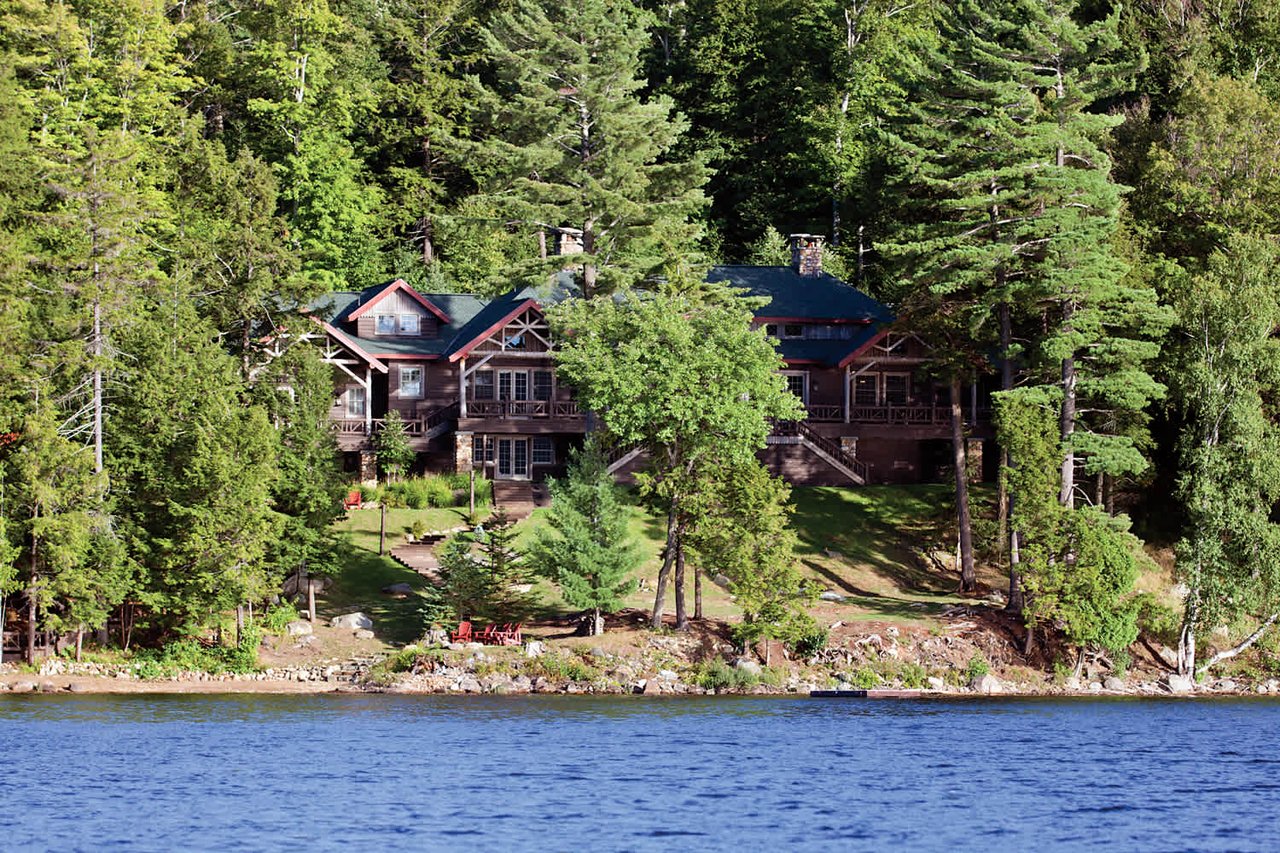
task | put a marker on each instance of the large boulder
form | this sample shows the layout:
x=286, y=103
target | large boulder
x=1179, y=683
x=352, y=621
x=748, y=666
x=534, y=648
x=1114, y=683
x=987, y=685
x=298, y=628
x=397, y=589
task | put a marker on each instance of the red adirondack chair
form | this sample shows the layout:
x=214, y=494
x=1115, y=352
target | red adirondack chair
x=462, y=635
x=509, y=635
x=488, y=635
x=352, y=500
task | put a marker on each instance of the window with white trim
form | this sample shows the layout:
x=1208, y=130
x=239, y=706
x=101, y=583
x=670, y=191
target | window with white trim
x=865, y=390
x=411, y=382
x=355, y=401
x=410, y=324
x=897, y=388
x=482, y=385
x=792, y=330
x=544, y=451
x=481, y=449
x=384, y=324
x=798, y=384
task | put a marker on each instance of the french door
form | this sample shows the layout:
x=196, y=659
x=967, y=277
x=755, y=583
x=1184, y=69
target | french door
x=512, y=461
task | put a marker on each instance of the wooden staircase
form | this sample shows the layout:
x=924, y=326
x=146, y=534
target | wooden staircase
x=514, y=496
x=420, y=556
x=826, y=449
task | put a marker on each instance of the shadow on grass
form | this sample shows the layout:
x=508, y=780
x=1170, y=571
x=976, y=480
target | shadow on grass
x=359, y=587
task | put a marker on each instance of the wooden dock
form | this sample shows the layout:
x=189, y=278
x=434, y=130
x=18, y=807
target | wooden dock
x=869, y=694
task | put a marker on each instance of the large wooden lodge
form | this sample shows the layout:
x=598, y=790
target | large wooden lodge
x=475, y=382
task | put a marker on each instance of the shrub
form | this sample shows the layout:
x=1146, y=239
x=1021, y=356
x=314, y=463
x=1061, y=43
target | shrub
x=278, y=616
x=912, y=675
x=811, y=642
x=418, y=529
x=190, y=656
x=977, y=667
x=1156, y=620
x=864, y=678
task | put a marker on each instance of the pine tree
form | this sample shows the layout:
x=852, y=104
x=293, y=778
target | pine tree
x=392, y=448
x=587, y=548
x=573, y=144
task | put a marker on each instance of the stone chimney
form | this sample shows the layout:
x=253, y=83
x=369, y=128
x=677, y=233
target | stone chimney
x=568, y=241
x=806, y=254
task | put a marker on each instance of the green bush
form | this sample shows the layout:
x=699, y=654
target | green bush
x=811, y=642
x=864, y=678
x=912, y=675
x=190, y=656
x=278, y=616
x=1156, y=620
x=977, y=667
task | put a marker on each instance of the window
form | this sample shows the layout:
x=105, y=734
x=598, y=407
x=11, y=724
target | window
x=793, y=330
x=864, y=390
x=355, y=401
x=819, y=333
x=482, y=385
x=410, y=324
x=504, y=385
x=411, y=382
x=522, y=385
x=896, y=387
x=771, y=329
x=798, y=384
x=385, y=324
x=481, y=449
x=544, y=452
x=542, y=387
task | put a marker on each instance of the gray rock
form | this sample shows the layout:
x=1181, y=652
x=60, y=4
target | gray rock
x=48, y=687
x=1113, y=683
x=534, y=648
x=352, y=621
x=936, y=683
x=298, y=628
x=831, y=596
x=1095, y=686
x=987, y=685
x=23, y=687
x=397, y=589
x=521, y=684
x=1179, y=683
x=1227, y=684
x=892, y=631
x=1074, y=683
x=468, y=684
x=640, y=685
x=363, y=634
x=668, y=675
x=721, y=581
x=748, y=666
x=77, y=687
x=598, y=653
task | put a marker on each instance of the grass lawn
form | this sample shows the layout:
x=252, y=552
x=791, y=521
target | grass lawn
x=865, y=543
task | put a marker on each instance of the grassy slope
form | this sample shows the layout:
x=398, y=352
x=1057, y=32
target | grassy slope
x=864, y=543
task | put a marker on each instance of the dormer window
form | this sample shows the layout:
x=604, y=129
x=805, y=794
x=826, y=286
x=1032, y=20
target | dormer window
x=385, y=324
x=792, y=330
x=410, y=324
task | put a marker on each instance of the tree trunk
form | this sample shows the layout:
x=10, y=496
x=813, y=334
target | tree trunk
x=1017, y=600
x=31, y=624
x=589, y=272
x=239, y=625
x=682, y=616
x=97, y=382
x=596, y=627
x=311, y=599
x=2, y=611
x=664, y=573
x=1003, y=509
x=1187, y=641
x=1067, y=496
x=79, y=642
x=968, y=579
x=697, y=592
x=1248, y=641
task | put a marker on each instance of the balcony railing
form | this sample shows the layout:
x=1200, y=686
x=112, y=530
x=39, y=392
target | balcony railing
x=523, y=409
x=416, y=427
x=909, y=414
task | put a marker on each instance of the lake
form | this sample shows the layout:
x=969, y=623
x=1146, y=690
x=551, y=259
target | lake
x=381, y=772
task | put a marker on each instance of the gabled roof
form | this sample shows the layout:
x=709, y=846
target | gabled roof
x=385, y=290
x=822, y=299
x=468, y=319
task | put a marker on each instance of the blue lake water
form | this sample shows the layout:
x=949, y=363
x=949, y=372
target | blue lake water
x=558, y=773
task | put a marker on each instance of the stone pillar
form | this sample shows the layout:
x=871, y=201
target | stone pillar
x=462, y=462
x=973, y=459
x=368, y=467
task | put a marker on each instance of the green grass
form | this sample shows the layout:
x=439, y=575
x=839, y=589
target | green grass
x=864, y=543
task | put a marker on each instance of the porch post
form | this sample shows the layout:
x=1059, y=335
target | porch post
x=462, y=389
x=973, y=403
x=847, y=380
x=368, y=401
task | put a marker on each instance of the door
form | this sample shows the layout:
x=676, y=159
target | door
x=513, y=459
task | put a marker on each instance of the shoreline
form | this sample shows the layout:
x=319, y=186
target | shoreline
x=85, y=685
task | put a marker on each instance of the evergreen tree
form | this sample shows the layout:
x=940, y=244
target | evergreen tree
x=392, y=448
x=587, y=548
x=573, y=144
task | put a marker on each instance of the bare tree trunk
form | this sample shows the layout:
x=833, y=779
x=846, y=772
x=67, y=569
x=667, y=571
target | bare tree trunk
x=79, y=642
x=1067, y=496
x=968, y=578
x=311, y=599
x=682, y=617
x=697, y=592
x=589, y=272
x=664, y=573
x=97, y=381
x=1187, y=641
x=1003, y=508
x=1248, y=641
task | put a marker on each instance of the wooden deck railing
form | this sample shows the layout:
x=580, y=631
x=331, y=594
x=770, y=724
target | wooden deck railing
x=911, y=414
x=417, y=427
x=523, y=409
